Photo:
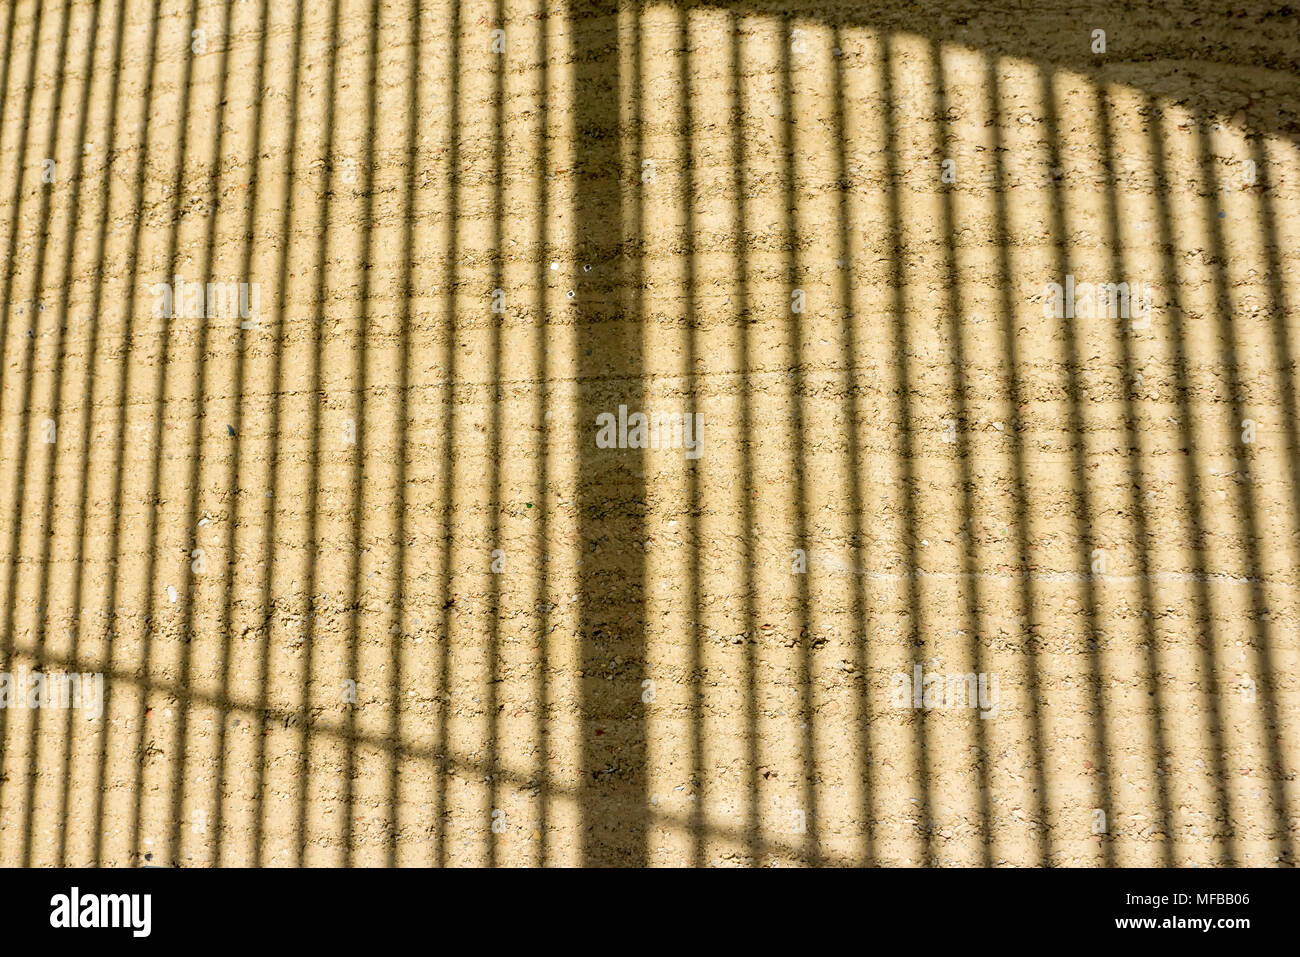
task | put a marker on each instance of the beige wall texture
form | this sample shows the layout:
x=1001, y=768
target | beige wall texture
x=515, y=433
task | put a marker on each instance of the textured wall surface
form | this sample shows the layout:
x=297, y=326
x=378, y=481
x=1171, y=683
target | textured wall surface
x=369, y=578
